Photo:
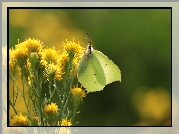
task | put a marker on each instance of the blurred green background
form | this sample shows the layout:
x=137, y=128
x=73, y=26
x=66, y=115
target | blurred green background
x=137, y=40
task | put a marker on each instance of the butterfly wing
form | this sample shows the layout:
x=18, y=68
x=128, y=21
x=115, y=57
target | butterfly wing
x=111, y=70
x=91, y=74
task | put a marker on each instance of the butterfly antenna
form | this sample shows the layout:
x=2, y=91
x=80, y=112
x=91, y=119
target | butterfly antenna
x=89, y=43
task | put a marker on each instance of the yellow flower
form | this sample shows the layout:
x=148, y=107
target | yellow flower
x=66, y=122
x=53, y=71
x=51, y=108
x=72, y=46
x=23, y=50
x=51, y=113
x=63, y=61
x=78, y=93
x=19, y=55
x=65, y=130
x=49, y=55
x=33, y=45
x=19, y=120
x=74, y=50
x=69, y=59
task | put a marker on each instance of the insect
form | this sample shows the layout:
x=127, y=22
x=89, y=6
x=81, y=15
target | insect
x=96, y=70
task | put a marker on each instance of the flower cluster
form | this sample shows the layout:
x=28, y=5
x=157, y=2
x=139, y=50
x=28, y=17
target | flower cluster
x=38, y=66
x=19, y=120
x=71, y=55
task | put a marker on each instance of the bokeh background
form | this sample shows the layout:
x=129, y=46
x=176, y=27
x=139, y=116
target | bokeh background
x=137, y=40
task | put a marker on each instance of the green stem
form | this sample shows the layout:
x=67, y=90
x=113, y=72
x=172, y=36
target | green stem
x=74, y=113
x=10, y=103
x=67, y=81
x=41, y=111
x=13, y=94
x=14, y=81
x=76, y=104
x=49, y=86
x=40, y=102
x=65, y=105
x=23, y=96
x=48, y=100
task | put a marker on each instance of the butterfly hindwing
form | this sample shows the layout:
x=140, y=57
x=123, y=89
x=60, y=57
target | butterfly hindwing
x=91, y=74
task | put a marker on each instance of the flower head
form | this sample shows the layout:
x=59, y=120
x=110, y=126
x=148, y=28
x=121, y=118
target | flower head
x=19, y=120
x=66, y=122
x=19, y=55
x=51, y=112
x=51, y=108
x=22, y=51
x=69, y=59
x=65, y=130
x=49, y=55
x=78, y=93
x=33, y=45
x=53, y=71
x=74, y=51
x=73, y=48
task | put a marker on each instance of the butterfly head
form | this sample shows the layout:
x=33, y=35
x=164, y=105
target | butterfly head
x=89, y=48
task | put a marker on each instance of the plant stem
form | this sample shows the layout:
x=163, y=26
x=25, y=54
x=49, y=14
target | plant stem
x=74, y=113
x=10, y=103
x=23, y=96
x=40, y=102
x=64, y=106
